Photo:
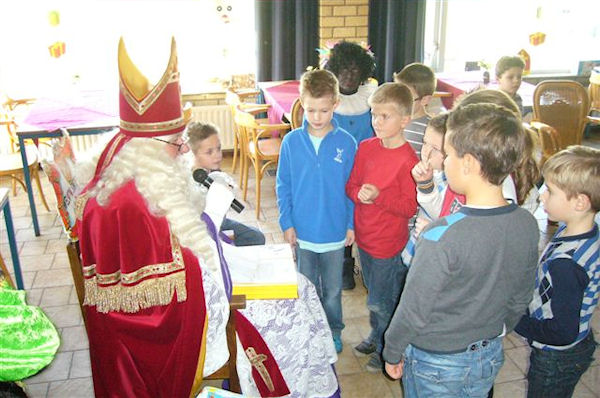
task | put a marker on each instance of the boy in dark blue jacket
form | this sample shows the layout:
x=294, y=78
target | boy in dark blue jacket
x=315, y=162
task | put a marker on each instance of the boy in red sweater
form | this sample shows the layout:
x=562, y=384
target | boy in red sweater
x=385, y=199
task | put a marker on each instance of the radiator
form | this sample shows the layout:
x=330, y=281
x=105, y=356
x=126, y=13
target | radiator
x=219, y=115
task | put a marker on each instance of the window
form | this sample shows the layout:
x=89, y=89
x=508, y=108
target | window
x=208, y=49
x=470, y=30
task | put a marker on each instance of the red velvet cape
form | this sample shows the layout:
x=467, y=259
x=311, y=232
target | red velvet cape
x=143, y=349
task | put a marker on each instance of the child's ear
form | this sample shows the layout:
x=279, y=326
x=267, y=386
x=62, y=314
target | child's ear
x=405, y=120
x=469, y=164
x=426, y=99
x=336, y=104
x=582, y=203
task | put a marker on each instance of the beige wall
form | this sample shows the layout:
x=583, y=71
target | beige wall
x=343, y=19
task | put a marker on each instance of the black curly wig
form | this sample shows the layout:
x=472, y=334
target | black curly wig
x=345, y=54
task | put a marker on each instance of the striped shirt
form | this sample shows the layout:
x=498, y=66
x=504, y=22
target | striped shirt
x=414, y=132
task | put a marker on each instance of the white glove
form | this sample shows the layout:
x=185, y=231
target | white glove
x=223, y=177
x=218, y=200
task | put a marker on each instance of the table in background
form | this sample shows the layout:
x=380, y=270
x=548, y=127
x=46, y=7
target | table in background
x=461, y=82
x=86, y=114
x=280, y=95
x=14, y=252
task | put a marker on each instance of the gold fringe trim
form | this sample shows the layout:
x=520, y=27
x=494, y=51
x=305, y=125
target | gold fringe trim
x=146, y=294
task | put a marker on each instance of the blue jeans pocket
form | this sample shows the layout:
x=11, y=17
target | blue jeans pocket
x=439, y=379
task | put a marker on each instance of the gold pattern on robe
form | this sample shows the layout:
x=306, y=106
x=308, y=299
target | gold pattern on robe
x=257, y=362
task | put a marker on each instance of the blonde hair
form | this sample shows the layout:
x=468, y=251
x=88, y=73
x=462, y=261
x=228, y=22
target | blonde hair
x=418, y=76
x=489, y=96
x=393, y=93
x=319, y=83
x=576, y=170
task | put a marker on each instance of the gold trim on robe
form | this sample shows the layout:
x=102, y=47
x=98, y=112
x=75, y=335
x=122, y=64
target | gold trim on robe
x=149, y=286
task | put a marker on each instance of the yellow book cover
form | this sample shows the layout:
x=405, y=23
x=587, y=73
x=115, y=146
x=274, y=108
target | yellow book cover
x=262, y=272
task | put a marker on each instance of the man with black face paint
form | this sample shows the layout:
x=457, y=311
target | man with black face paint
x=352, y=64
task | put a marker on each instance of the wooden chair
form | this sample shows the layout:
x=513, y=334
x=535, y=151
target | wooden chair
x=260, y=146
x=547, y=138
x=564, y=105
x=296, y=114
x=235, y=99
x=12, y=165
x=229, y=370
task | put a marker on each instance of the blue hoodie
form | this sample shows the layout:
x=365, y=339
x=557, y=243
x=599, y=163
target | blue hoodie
x=311, y=186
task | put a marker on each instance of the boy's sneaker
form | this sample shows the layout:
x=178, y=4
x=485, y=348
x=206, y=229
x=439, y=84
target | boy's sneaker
x=364, y=348
x=375, y=364
x=337, y=342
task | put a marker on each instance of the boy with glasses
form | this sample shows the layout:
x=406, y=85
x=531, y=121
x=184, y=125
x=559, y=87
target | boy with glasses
x=436, y=199
x=420, y=79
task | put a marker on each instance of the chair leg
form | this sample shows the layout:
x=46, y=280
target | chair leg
x=36, y=174
x=245, y=178
x=235, y=151
x=243, y=166
x=258, y=175
x=14, y=181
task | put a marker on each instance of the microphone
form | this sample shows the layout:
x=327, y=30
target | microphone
x=201, y=177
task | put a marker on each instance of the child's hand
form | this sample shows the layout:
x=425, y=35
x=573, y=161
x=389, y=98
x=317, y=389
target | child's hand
x=394, y=371
x=422, y=171
x=290, y=236
x=368, y=193
x=420, y=223
x=349, y=237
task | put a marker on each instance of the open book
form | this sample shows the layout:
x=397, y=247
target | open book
x=262, y=272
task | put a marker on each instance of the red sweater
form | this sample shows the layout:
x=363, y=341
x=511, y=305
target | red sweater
x=382, y=227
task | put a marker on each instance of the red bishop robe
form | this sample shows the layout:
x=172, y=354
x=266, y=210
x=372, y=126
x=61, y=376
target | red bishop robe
x=145, y=310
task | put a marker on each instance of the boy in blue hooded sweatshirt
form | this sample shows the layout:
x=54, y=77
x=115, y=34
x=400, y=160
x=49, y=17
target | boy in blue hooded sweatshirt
x=315, y=162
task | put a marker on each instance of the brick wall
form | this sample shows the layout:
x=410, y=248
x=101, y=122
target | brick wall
x=343, y=19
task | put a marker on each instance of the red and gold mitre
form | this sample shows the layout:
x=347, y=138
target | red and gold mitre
x=147, y=111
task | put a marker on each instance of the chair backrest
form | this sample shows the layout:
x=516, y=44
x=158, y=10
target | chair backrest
x=548, y=140
x=243, y=82
x=594, y=91
x=564, y=105
x=296, y=114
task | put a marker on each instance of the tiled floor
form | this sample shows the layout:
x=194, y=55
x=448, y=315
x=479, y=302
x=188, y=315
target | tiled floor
x=48, y=282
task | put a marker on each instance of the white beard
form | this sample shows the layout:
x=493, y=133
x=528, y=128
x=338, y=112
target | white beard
x=166, y=185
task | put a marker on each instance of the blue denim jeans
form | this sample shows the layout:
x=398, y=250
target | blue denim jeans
x=384, y=279
x=465, y=374
x=324, y=270
x=243, y=235
x=555, y=373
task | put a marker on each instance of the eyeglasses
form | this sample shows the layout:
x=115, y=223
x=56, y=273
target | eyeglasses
x=426, y=144
x=417, y=99
x=179, y=146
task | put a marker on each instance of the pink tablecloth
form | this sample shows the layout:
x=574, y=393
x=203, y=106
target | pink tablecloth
x=461, y=82
x=280, y=97
x=84, y=109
